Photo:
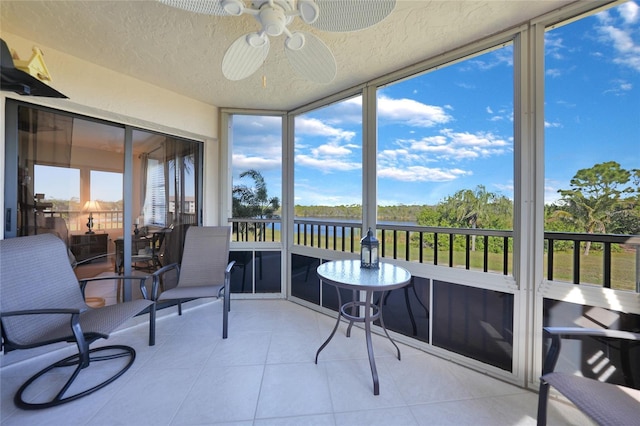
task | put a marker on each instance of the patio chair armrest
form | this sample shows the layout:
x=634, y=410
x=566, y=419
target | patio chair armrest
x=576, y=332
x=61, y=311
x=142, y=280
x=226, y=288
x=158, y=274
x=558, y=333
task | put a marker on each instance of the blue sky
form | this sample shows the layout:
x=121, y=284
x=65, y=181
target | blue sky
x=452, y=129
x=48, y=180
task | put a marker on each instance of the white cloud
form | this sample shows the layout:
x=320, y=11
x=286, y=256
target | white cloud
x=325, y=165
x=551, y=191
x=549, y=124
x=630, y=12
x=258, y=124
x=499, y=57
x=315, y=127
x=501, y=115
x=553, y=45
x=620, y=32
x=411, y=112
x=408, y=161
x=504, y=188
x=332, y=149
x=317, y=193
x=244, y=162
x=421, y=174
x=628, y=52
x=553, y=72
x=619, y=87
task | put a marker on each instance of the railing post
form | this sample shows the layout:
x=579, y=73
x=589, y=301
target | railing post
x=335, y=236
x=407, y=246
x=637, y=247
x=550, y=259
x=450, y=250
x=435, y=248
x=607, y=265
x=576, y=262
x=467, y=255
x=505, y=256
x=395, y=244
x=352, y=239
x=485, y=259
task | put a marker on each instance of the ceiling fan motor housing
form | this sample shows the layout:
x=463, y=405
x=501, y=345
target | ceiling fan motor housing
x=272, y=19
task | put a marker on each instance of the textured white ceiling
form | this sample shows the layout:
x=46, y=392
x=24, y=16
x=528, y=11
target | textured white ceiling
x=182, y=51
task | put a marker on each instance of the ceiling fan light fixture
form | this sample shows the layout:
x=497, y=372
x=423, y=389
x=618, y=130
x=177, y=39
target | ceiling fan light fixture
x=233, y=7
x=308, y=10
x=295, y=41
x=256, y=39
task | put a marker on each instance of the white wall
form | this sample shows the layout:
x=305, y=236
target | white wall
x=101, y=93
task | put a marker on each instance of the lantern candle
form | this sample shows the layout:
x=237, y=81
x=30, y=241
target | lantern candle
x=369, y=251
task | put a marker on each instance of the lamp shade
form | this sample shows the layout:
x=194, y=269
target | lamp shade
x=91, y=206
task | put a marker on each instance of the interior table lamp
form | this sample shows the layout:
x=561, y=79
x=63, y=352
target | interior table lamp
x=90, y=206
x=369, y=251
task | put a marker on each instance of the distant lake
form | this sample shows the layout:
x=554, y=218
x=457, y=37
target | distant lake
x=329, y=220
x=351, y=220
x=347, y=231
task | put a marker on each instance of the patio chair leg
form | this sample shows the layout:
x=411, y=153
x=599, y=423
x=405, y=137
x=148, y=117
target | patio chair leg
x=75, y=360
x=543, y=400
x=152, y=325
x=225, y=315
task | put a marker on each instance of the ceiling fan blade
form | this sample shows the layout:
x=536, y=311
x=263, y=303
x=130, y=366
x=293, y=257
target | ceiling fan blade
x=207, y=7
x=242, y=58
x=351, y=15
x=312, y=59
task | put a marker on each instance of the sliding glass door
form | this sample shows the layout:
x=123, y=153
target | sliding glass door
x=110, y=192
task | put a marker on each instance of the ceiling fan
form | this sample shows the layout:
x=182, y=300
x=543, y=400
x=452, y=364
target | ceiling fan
x=308, y=55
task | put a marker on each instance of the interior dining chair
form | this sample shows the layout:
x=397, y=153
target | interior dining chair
x=205, y=272
x=43, y=303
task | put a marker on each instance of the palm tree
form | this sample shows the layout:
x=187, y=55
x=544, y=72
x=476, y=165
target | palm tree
x=470, y=207
x=253, y=201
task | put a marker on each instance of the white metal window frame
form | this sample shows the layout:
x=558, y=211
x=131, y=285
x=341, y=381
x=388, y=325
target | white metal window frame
x=528, y=284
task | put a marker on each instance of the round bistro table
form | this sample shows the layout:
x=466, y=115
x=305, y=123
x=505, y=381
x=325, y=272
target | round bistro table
x=348, y=274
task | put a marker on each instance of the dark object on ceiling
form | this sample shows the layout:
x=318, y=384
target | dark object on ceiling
x=15, y=80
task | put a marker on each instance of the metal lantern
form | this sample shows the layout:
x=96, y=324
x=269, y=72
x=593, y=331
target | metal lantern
x=369, y=251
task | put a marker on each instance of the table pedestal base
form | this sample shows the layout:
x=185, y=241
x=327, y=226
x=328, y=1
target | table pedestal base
x=372, y=312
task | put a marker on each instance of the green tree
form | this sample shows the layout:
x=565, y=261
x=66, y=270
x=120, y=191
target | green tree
x=477, y=208
x=253, y=201
x=598, y=197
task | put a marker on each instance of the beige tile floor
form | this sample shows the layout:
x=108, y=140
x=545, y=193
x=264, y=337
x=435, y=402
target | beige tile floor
x=264, y=374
